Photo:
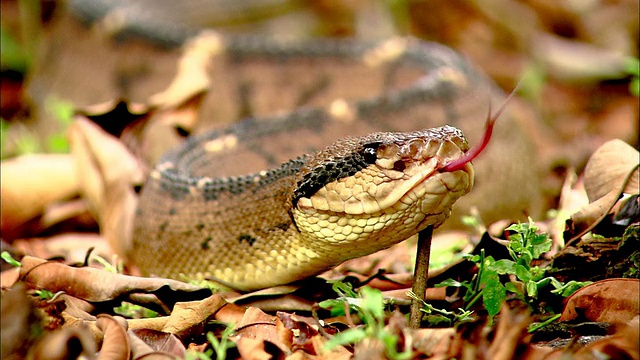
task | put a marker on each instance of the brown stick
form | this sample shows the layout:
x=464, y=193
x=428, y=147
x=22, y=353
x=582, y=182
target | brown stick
x=420, y=275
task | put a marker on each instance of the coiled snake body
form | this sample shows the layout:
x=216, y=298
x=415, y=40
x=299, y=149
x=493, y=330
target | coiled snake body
x=357, y=196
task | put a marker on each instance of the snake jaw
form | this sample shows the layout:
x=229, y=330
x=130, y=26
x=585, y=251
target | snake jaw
x=400, y=168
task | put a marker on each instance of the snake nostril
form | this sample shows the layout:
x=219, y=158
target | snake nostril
x=182, y=132
x=399, y=165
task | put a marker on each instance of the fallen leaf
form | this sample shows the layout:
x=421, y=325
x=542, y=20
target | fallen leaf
x=253, y=349
x=67, y=343
x=96, y=285
x=110, y=174
x=189, y=318
x=19, y=323
x=337, y=353
x=115, y=345
x=610, y=300
x=511, y=333
x=607, y=168
x=31, y=182
x=611, y=171
x=256, y=324
x=73, y=247
x=623, y=344
x=146, y=341
x=433, y=342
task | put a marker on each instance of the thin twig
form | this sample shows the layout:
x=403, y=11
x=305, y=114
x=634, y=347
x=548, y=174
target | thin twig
x=420, y=275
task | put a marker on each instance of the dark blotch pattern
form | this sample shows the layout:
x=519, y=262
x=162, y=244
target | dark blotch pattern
x=205, y=244
x=333, y=170
x=248, y=238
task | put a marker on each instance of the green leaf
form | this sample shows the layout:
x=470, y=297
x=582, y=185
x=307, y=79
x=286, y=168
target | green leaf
x=342, y=288
x=524, y=259
x=330, y=303
x=9, y=259
x=541, y=283
x=634, y=86
x=493, y=295
x=472, y=258
x=453, y=283
x=522, y=273
x=532, y=289
x=44, y=294
x=513, y=287
x=373, y=302
x=349, y=336
x=537, y=273
x=540, y=244
x=569, y=288
x=537, y=326
x=632, y=66
x=516, y=243
x=504, y=266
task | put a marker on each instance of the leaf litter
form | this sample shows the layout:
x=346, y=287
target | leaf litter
x=77, y=314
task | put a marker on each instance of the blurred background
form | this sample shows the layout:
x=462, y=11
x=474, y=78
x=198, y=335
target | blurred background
x=580, y=57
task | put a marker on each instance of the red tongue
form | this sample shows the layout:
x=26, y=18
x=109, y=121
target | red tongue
x=460, y=162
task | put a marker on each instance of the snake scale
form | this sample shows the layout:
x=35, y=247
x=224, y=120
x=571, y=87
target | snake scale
x=242, y=205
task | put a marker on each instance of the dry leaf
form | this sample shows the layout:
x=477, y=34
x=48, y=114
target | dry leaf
x=253, y=349
x=149, y=342
x=109, y=176
x=96, y=285
x=178, y=106
x=623, y=344
x=433, y=342
x=511, y=333
x=19, y=323
x=230, y=313
x=611, y=171
x=189, y=318
x=337, y=353
x=73, y=247
x=115, y=345
x=610, y=300
x=608, y=167
x=256, y=324
x=31, y=182
x=68, y=343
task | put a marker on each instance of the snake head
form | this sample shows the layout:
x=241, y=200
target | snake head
x=383, y=187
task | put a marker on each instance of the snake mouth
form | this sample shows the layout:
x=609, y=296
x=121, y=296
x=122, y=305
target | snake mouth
x=403, y=173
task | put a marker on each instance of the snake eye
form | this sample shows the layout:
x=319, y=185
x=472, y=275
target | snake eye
x=369, y=154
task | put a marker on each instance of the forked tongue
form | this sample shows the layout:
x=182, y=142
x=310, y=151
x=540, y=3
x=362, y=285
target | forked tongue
x=460, y=162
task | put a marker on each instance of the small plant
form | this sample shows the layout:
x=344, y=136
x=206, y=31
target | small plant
x=44, y=294
x=24, y=140
x=632, y=67
x=219, y=347
x=9, y=259
x=369, y=304
x=525, y=280
x=440, y=317
x=134, y=311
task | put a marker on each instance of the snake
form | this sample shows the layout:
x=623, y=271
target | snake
x=359, y=195
x=355, y=197
x=276, y=197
